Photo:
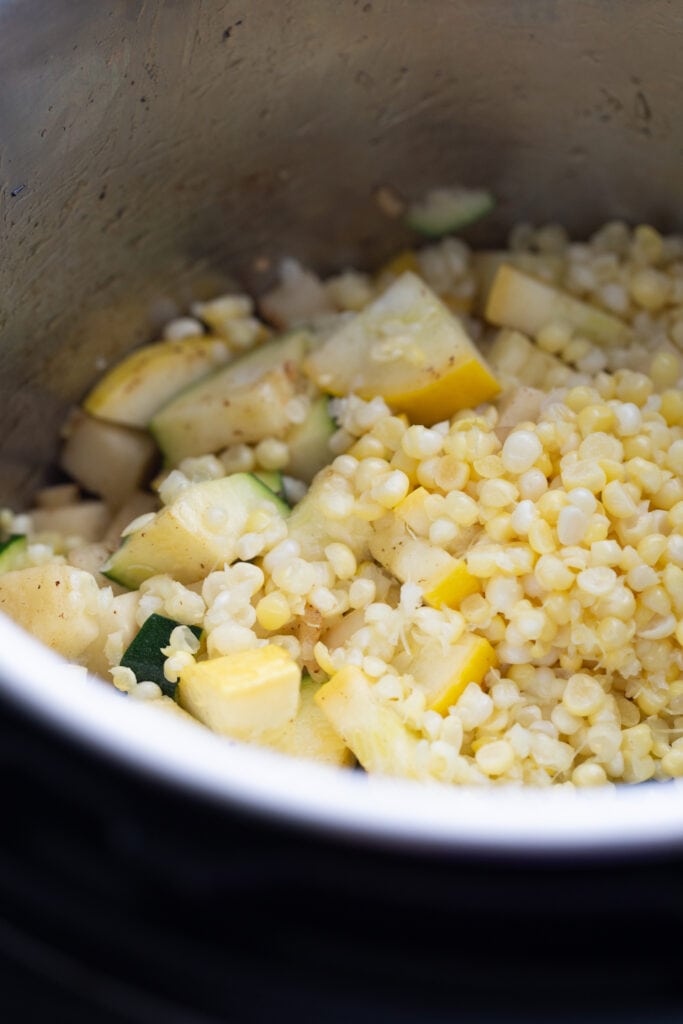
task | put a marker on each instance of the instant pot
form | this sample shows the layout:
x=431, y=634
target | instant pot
x=154, y=153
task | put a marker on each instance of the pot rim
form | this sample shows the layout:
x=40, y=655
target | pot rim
x=376, y=810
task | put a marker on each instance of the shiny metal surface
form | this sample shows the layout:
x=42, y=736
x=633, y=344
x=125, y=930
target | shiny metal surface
x=148, y=150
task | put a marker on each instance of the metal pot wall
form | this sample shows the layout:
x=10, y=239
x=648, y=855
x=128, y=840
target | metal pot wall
x=152, y=152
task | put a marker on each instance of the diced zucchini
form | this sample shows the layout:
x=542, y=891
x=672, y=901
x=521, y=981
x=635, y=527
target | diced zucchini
x=133, y=390
x=443, y=579
x=310, y=735
x=107, y=459
x=143, y=655
x=407, y=347
x=309, y=442
x=374, y=732
x=56, y=603
x=13, y=554
x=87, y=520
x=195, y=534
x=242, y=403
x=527, y=304
x=273, y=481
x=251, y=695
x=445, y=210
x=443, y=675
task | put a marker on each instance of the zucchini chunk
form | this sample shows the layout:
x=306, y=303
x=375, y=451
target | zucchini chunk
x=13, y=554
x=407, y=347
x=309, y=442
x=195, y=534
x=133, y=390
x=445, y=210
x=252, y=695
x=143, y=655
x=241, y=403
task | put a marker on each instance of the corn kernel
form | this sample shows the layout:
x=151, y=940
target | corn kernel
x=583, y=696
x=589, y=774
x=672, y=407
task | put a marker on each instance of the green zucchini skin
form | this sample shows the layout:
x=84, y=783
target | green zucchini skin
x=13, y=552
x=143, y=655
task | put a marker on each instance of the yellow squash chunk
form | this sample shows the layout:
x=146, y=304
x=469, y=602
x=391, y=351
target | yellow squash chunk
x=527, y=304
x=407, y=347
x=381, y=742
x=136, y=387
x=487, y=262
x=453, y=587
x=443, y=579
x=251, y=695
x=444, y=675
x=56, y=603
x=310, y=735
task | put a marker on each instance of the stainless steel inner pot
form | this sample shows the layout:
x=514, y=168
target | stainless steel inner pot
x=151, y=152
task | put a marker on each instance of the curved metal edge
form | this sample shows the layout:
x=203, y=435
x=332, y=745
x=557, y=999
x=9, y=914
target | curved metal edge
x=376, y=810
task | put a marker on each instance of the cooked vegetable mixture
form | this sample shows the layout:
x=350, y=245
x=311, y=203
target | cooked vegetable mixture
x=428, y=521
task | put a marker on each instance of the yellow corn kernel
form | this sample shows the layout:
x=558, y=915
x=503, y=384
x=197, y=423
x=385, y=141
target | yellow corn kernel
x=273, y=611
x=595, y=417
x=672, y=407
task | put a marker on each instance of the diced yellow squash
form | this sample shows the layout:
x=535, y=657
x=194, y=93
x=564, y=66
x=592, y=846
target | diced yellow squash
x=407, y=347
x=251, y=695
x=195, y=534
x=453, y=587
x=443, y=675
x=443, y=579
x=310, y=735
x=106, y=458
x=527, y=304
x=381, y=742
x=56, y=603
x=412, y=511
x=486, y=263
x=133, y=390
